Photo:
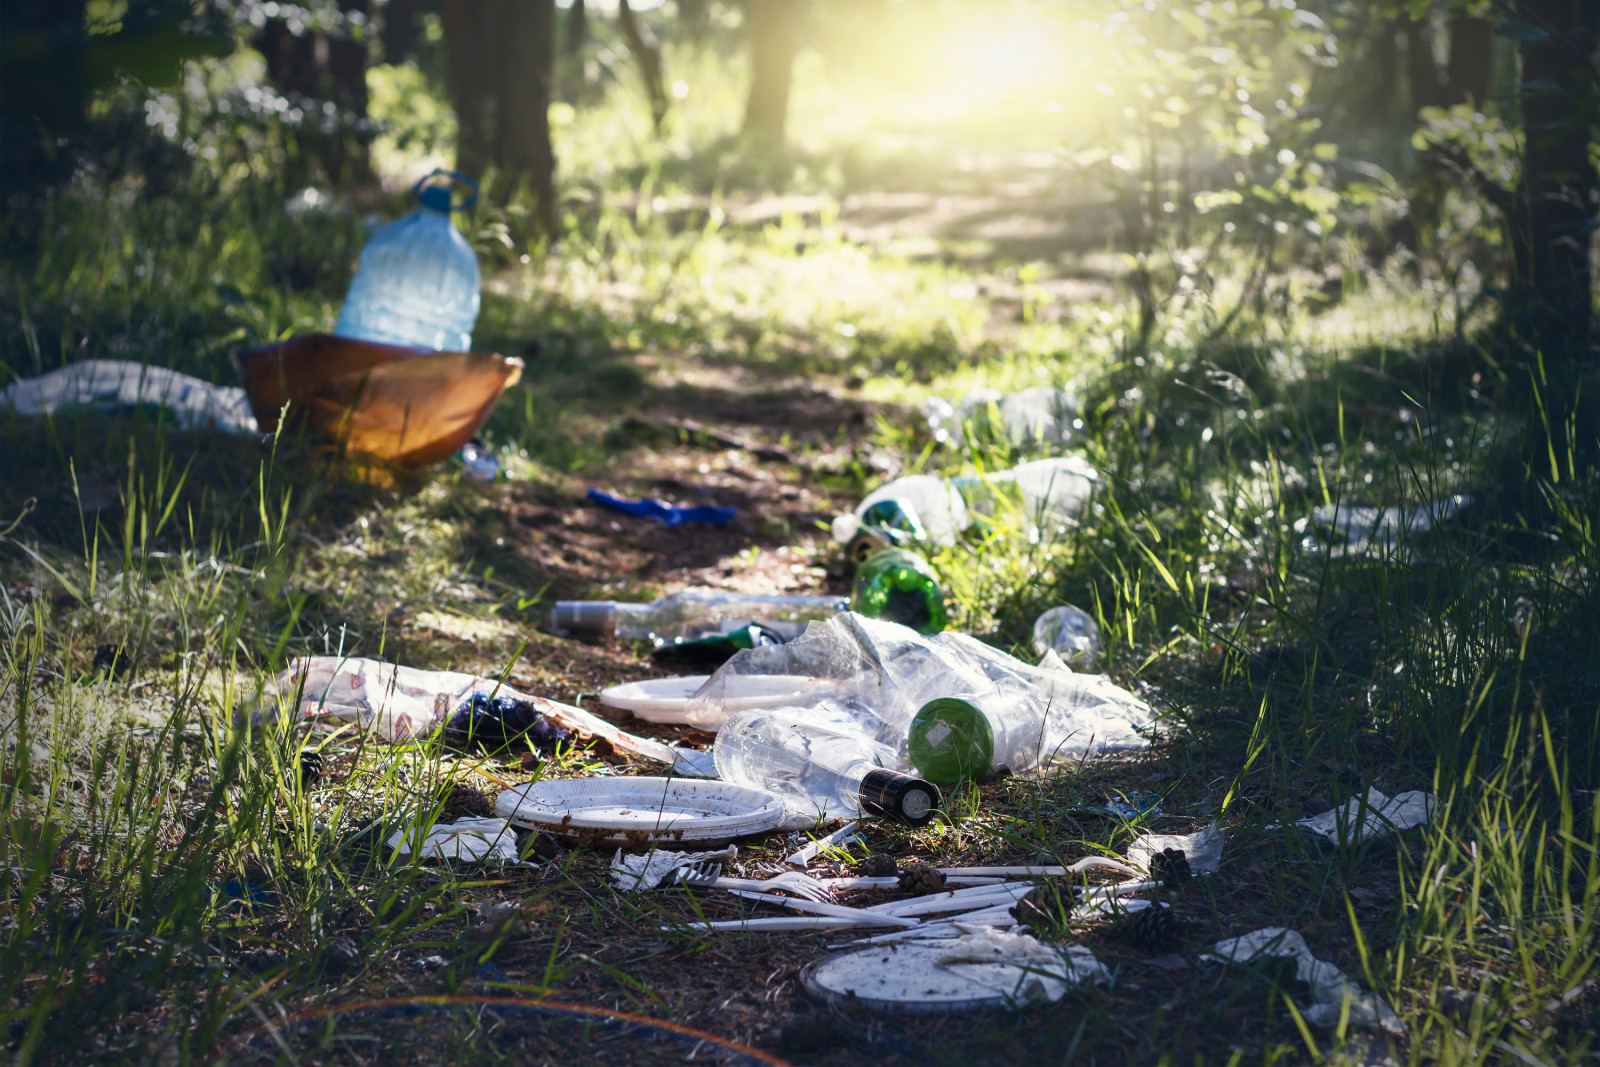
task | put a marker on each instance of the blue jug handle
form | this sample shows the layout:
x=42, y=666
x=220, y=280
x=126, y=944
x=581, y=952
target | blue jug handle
x=455, y=175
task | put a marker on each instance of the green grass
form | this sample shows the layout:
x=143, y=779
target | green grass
x=1291, y=673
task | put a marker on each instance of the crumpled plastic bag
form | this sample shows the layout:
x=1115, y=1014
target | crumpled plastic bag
x=1330, y=988
x=1051, y=970
x=466, y=840
x=402, y=703
x=1383, y=815
x=107, y=384
x=881, y=673
x=1203, y=849
x=1362, y=526
x=631, y=872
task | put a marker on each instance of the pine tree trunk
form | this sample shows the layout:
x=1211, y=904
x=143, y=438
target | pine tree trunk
x=527, y=68
x=1471, y=67
x=647, y=51
x=1559, y=184
x=501, y=60
x=774, y=40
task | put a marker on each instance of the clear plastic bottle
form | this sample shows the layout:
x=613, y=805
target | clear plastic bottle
x=417, y=283
x=1043, y=415
x=817, y=762
x=923, y=502
x=1049, y=493
x=692, y=613
x=1071, y=632
x=902, y=587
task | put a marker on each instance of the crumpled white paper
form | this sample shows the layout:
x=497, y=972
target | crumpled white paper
x=1382, y=816
x=647, y=870
x=114, y=383
x=1203, y=848
x=1051, y=970
x=467, y=840
x=1330, y=988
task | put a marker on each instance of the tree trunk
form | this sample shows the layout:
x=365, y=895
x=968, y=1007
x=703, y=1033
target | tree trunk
x=774, y=40
x=314, y=68
x=1471, y=68
x=527, y=65
x=471, y=61
x=647, y=50
x=500, y=59
x=577, y=28
x=1422, y=70
x=1559, y=185
x=697, y=16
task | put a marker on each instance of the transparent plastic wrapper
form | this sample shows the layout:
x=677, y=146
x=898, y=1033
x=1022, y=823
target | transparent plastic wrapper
x=109, y=384
x=404, y=703
x=1042, y=415
x=883, y=674
x=1358, y=820
x=1070, y=632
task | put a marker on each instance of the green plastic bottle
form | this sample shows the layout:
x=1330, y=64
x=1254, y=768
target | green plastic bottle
x=902, y=587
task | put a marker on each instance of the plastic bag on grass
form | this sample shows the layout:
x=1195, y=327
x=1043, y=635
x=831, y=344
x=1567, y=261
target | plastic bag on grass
x=403, y=703
x=109, y=384
x=881, y=674
x=1330, y=988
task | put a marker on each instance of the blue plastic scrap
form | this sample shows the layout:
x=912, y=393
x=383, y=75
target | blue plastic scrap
x=664, y=512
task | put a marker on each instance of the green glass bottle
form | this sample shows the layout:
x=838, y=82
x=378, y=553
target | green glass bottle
x=951, y=740
x=902, y=587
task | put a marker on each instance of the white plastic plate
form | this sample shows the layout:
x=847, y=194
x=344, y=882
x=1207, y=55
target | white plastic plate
x=904, y=978
x=639, y=811
x=667, y=699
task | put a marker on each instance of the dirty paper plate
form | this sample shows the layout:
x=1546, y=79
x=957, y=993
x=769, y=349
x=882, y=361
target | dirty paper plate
x=626, y=810
x=667, y=699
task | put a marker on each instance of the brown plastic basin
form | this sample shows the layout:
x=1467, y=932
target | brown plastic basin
x=409, y=406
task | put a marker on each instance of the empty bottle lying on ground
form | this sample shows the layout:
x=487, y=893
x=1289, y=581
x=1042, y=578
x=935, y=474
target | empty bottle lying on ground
x=900, y=586
x=1039, y=498
x=1043, y=415
x=820, y=763
x=693, y=613
x=881, y=676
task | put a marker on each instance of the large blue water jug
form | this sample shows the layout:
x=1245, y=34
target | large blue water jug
x=418, y=280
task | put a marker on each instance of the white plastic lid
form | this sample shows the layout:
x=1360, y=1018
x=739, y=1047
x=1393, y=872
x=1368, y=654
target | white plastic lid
x=667, y=699
x=907, y=978
x=628, y=810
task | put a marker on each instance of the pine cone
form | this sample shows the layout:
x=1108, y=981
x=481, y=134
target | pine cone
x=464, y=800
x=1171, y=865
x=311, y=767
x=878, y=865
x=921, y=878
x=1045, y=907
x=1154, y=930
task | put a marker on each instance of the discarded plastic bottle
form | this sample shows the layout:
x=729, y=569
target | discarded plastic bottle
x=1071, y=632
x=1048, y=492
x=826, y=767
x=902, y=587
x=692, y=613
x=1041, y=415
x=418, y=282
x=479, y=461
x=713, y=650
x=953, y=738
x=918, y=507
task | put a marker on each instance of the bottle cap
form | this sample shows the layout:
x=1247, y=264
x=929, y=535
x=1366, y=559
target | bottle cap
x=584, y=616
x=898, y=796
x=951, y=739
